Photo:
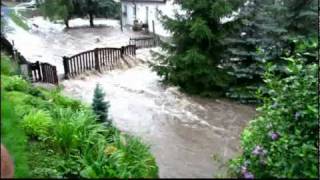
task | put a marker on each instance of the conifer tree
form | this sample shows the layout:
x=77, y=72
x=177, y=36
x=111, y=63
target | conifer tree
x=196, y=49
x=99, y=105
x=268, y=30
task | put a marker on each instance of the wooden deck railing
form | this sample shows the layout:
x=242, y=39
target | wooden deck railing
x=98, y=59
x=145, y=42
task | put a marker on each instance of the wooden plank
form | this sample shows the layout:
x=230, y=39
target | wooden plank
x=87, y=62
x=74, y=66
x=81, y=64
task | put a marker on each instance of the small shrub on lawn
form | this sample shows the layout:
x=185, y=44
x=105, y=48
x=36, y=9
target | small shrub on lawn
x=282, y=140
x=99, y=105
x=14, y=83
x=37, y=124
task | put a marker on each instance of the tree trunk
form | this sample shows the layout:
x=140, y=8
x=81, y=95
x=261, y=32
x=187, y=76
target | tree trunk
x=66, y=22
x=91, y=20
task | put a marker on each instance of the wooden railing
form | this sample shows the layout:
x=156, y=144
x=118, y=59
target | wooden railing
x=98, y=59
x=36, y=72
x=129, y=50
x=144, y=42
x=43, y=72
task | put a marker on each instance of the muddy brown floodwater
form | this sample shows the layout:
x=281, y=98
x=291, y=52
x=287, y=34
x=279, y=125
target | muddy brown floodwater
x=184, y=132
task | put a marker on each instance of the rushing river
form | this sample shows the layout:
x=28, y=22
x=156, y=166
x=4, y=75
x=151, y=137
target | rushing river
x=184, y=132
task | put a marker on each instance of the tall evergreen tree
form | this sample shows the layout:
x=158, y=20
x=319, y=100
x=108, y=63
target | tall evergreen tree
x=197, y=48
x=99, y=105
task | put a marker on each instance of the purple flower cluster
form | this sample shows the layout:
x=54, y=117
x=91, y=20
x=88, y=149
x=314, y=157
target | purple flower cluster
x=258, y=150
x=274, y=136
x=246, y=174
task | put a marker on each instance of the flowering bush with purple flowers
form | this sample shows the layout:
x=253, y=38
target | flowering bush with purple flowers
x=281, y=142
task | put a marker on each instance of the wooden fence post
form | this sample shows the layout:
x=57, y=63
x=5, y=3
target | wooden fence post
x=122, y=51
x=66, y=67
x=55, y=75
x=96, y=60
x=39, y=73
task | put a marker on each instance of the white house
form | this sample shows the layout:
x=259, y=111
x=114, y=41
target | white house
x=147, y=12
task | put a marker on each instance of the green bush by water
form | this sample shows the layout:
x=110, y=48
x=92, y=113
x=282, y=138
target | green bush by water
x=282, y=141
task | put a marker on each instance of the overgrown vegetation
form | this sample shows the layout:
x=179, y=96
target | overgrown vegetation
x=58, y=137
x=267, y=31
x=18, y=20
x=267, y=46
x=282, y=141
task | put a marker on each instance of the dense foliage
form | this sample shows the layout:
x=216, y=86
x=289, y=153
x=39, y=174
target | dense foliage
x=60, y=9
x=67, y=9
x=97, y=8
x=58, y=137
x=99, y=105
x=266, y=31
x=282, y=141
x=210, y=55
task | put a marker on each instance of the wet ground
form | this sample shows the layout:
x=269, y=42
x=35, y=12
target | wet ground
x=184, y=131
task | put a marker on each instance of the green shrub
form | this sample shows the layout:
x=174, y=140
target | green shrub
x=14, y=83
x=282, y=140
x=138, y=160
x=75, y=129
x=7, y=66
x=44, y=162
x=37, y=124
x=62, y=101
x=125, y=157
x=99, y=105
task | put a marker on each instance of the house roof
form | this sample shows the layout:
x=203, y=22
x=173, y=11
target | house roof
x=145, y=1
